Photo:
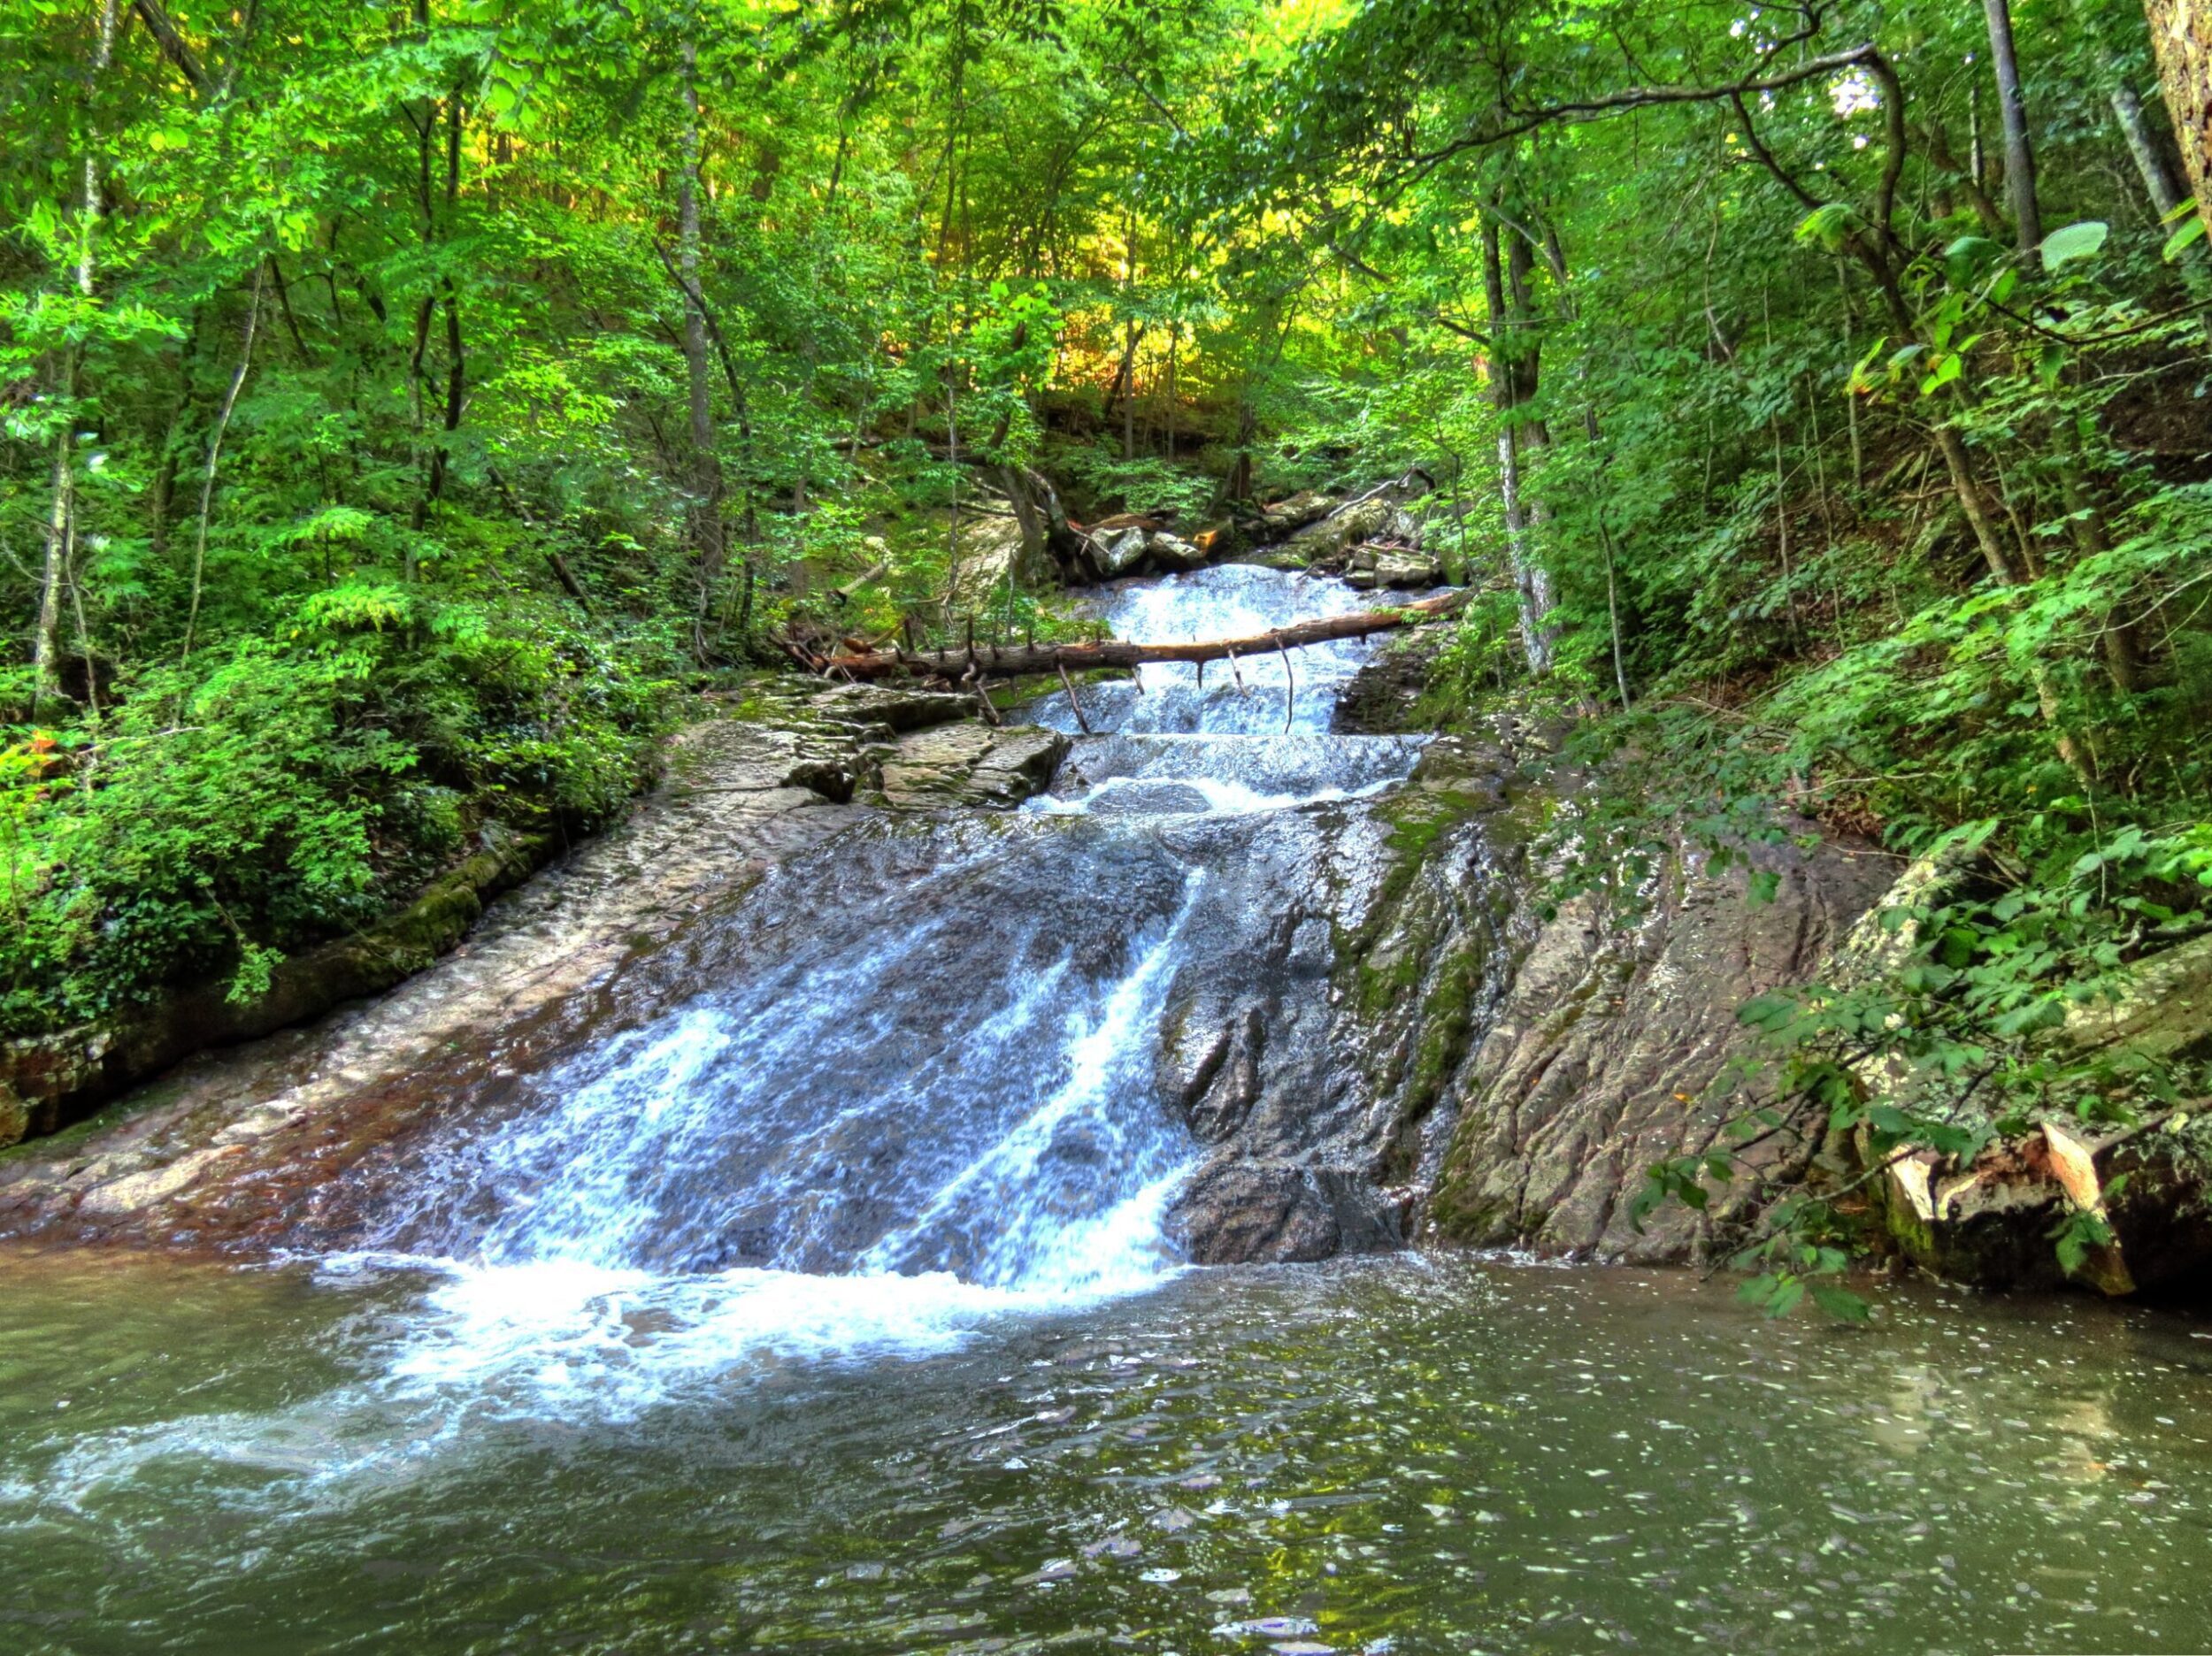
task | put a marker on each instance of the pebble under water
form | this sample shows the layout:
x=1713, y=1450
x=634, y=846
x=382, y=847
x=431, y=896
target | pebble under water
x=822, y=1295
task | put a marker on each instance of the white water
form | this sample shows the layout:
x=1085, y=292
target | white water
x=904, y=1091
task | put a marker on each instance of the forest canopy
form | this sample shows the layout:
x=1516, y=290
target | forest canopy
x=407, y=407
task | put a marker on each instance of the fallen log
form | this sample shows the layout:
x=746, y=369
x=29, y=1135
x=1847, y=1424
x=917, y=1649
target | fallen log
x=988, y=661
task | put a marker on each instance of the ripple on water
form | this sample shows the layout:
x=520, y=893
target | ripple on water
x=1450, y=1455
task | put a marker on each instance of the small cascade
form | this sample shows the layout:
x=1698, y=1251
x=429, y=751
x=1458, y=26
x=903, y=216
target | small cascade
x=912, y=1080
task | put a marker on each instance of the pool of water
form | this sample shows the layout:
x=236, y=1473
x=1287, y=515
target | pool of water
x=1416, y=1455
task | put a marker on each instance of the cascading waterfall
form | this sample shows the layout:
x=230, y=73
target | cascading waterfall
x=907, y=1083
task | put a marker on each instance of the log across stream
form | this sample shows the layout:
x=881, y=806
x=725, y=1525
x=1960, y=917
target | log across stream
x=972, y=661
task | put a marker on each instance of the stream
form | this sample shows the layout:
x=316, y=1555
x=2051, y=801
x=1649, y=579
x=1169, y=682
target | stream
x=823, y=1288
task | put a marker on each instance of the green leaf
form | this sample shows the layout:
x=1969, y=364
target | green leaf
x=1826, y=225
x=2186, y=237
x=2080, y=240
x=1765, y=883
x=1839, y=1303
x=1966, y=256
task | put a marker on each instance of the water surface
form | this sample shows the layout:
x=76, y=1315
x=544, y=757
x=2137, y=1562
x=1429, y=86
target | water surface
x=1419, y=1455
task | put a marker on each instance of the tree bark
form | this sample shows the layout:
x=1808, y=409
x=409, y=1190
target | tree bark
x=214, y=456
x=1528, y=579
x=2181, y=39
x=2012, y=109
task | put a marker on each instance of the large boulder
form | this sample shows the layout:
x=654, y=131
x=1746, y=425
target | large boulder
x=1286, y=516
x=1139, y=549
x=991, y=550
x=1400, y=569
x=1376, y=520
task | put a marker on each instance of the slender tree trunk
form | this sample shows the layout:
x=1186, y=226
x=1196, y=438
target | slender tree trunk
x=2159, y=182
x=1536, y=639
x=2161, y=186
x=1613, y=616
x=46, y=634
x=457, y=360
x=61, y=518
x=706, y=509
x=214, y=454
x=2012, y=112
x=2181, y=39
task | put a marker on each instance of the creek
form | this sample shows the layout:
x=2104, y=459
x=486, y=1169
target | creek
x=824, y=1287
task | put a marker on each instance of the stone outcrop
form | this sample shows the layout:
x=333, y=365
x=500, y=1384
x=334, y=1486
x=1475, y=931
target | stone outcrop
x=1611, y=1049
x=1490, y=1074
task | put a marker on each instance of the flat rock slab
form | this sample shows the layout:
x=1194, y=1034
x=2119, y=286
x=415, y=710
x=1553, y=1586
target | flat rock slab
x=971, y=764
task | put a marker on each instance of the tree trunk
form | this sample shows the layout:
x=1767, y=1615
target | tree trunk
x=2159, y=182
x=214, y=456
x=1536, y=640
x=2012, y=112
x=706, y=482
x=987, y=661
x=61, y=519
x=2181, y=38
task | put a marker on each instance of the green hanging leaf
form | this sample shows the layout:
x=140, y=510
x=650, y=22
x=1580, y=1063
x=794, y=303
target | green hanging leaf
x=1826, y=225
x=2188, y=235
x=2062, y=246
x=1967, y=256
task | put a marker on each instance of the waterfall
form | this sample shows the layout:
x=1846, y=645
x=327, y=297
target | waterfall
x=910, y=1082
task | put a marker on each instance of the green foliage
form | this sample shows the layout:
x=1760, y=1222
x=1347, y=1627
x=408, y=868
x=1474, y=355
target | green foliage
x=294, y=787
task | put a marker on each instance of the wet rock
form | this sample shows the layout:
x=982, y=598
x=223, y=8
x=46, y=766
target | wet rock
x=1148, y=798
x=1384, y=697
x=971, y=764
x=1242, y=1212
x=897, y=710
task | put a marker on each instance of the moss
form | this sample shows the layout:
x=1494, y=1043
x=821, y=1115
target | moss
x=1446, y=1017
